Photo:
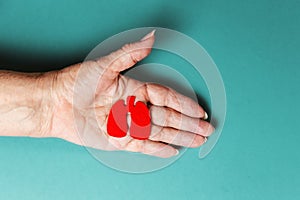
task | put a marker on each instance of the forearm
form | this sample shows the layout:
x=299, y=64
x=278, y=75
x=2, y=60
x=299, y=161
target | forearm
x=24, y=104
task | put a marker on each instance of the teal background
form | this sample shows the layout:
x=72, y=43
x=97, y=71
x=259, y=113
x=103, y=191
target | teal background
x=255, y=44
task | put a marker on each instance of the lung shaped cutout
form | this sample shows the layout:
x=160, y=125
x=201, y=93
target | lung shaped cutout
x=140, y=126
x=117, y=120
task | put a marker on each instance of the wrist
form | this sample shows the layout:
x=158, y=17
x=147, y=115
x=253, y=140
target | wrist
x=58, y=102
x=45, y=98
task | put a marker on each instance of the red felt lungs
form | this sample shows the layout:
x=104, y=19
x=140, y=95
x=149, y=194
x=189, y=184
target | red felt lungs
x=140, y=126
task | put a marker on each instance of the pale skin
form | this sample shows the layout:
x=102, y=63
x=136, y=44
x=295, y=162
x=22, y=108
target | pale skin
x=61, y=104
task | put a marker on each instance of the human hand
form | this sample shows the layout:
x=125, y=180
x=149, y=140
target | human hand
x=176, y=119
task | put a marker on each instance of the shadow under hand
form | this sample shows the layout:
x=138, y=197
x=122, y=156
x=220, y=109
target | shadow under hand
x=32, y=61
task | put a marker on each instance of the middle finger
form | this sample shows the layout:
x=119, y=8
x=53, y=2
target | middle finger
x=168, y=117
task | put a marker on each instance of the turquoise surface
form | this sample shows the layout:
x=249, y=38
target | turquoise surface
x=255, y=45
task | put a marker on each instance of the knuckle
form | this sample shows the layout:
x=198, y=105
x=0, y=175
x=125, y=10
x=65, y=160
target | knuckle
x=157, y=133
x=129, y=51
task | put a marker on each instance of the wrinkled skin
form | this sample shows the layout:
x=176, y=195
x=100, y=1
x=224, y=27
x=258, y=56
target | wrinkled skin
x=80, y=112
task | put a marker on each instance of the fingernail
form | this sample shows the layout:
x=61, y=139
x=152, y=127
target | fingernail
x=148, y=35
x=177, y=152
x=205, y=115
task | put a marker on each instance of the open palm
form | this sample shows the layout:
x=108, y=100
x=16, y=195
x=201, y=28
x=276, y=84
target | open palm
x=84, y=94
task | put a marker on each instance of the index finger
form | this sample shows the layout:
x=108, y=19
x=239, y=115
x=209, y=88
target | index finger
x=164, y=96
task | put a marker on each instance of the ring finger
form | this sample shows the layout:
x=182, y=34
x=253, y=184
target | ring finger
x=167, y=117
x=176, y=137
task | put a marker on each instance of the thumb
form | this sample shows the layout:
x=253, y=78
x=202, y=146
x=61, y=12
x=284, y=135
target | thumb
x=129, y=54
